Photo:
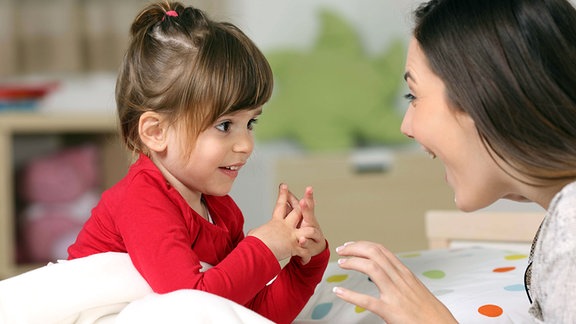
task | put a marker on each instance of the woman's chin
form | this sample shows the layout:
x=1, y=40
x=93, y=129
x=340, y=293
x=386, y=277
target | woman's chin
x=517, y=198
x=468, y=206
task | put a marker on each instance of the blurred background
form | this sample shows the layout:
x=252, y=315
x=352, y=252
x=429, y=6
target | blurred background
x=333, y=122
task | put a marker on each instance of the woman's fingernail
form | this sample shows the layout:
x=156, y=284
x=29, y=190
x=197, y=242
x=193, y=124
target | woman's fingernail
x=337, y=290
x=341, y=261
x=338, y=249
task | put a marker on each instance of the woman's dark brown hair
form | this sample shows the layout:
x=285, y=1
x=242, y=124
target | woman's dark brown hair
x=510, y=65
x=189, y=68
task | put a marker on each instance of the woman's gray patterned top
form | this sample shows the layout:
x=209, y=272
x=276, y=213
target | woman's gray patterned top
x=553, y=273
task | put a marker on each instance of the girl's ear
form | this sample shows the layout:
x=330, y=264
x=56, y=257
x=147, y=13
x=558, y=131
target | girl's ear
x=152, y=128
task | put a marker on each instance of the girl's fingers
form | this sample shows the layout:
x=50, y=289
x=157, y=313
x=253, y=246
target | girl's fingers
x=309, y=197
x=309, y=233
x=307, y=205
x=303, y=242
x=292, y=199
x=282, y=205
x=303, y=252
x=287, y=202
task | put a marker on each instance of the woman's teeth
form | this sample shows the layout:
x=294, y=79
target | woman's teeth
x=430, y=154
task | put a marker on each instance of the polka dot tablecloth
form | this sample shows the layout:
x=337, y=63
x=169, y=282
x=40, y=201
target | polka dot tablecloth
x=478, y=285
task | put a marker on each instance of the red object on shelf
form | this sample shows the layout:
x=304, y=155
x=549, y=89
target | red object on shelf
x=26, y=91
x=24, y=95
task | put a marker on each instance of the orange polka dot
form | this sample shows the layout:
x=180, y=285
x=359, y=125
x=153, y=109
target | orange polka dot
x=503, y=269
x=490, y=310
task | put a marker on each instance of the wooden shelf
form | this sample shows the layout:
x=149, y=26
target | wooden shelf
x=13, y=124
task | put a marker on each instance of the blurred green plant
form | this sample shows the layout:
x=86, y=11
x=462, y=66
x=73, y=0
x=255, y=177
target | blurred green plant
x=335, y=96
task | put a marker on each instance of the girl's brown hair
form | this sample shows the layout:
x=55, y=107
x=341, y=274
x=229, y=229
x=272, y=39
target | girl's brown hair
x=189, y=68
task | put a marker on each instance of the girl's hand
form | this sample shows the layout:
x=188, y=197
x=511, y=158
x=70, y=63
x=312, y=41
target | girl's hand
x=282, y=233
x=402, y=299
x=311, y=236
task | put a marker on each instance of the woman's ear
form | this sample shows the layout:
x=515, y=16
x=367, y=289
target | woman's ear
x=152, y=128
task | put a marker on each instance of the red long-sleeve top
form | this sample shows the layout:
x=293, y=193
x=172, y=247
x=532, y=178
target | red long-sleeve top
x=166, y=240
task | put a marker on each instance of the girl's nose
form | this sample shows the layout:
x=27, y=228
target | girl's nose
x=244, y=143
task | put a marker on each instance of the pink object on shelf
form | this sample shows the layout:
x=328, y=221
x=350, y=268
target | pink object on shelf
x=63, y=176
x=49, y=228
x=44, y=233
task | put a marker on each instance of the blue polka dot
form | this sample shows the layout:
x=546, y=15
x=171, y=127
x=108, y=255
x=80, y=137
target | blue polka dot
x=321, y=310
x=517, y=287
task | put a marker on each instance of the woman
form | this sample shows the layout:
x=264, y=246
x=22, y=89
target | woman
x=492, y=96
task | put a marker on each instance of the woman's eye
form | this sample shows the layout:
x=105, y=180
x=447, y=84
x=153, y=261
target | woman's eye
x=224, y=126
x=252, y=123
x=410, y=97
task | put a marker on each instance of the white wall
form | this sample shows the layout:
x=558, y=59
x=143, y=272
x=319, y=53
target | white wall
x=274, y=24
x=280, y=23
x=277, y=24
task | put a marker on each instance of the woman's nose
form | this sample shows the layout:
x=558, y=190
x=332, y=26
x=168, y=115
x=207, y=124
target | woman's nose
x=406, y=127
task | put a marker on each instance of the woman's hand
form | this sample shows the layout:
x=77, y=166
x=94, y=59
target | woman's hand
x=402, y=298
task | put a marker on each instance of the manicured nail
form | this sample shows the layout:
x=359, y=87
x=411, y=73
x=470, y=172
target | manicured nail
x=341, y=261
x=337, y=290
x=338, y=249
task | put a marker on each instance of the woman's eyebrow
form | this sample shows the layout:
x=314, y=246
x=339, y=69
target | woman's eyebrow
x=407, y=76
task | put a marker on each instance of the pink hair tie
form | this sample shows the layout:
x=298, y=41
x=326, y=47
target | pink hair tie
x=172, y=13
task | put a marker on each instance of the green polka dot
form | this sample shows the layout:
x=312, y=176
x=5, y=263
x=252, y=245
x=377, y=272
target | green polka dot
x=337, y=278
x=434, y=274
x=515, y=257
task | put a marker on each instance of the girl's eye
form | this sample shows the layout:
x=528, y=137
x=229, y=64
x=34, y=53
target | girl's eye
x=252, y=123
x=410, y=97
x=224, y=126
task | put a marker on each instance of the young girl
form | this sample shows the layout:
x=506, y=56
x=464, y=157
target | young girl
x=189, y=93
x=492, y=96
